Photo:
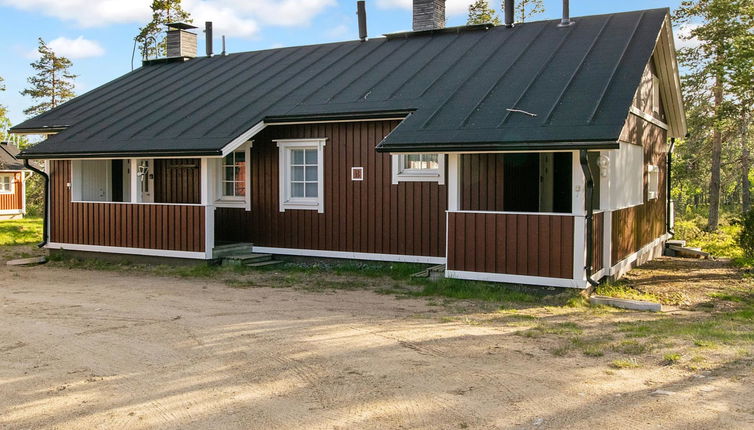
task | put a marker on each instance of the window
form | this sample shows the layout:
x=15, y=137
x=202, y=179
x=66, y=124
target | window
x=301, y=174
x=653, y=182
x=101, y=180
x=234, y=175
x=419, y=168
x=6, y=184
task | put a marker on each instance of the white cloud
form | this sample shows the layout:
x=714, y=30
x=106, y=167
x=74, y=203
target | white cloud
x=239, y=18
x=453, y=7
x=76, y=48
x=683, y=37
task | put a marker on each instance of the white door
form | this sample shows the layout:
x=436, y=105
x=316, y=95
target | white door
x=146, y=180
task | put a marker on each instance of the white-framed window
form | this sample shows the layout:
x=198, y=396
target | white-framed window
x=653, y=182
x=6, y=183
x=301, y=169
x=419, y=168
x=233, y=176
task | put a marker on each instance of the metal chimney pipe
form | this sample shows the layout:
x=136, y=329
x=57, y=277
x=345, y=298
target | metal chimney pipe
x=509, y=5
x=566, y=21
x=208, y=37
x=361, y=11
x=223, y=53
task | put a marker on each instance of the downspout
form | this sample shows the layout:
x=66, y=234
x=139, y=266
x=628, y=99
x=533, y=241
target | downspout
x=669, y=179
x=588, y=191
x=45, y=218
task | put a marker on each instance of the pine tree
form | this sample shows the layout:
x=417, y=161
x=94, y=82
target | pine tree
x=53, y=82
x=718, y=26
x=526, y=9
x=480, y=12
x=4, y=120
x=151, y=38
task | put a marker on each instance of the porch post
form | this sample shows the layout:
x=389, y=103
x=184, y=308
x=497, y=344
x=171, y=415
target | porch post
x=454, y=189
x=135, y=194
x=578, y=207
x=209, y=210
x=606, y=186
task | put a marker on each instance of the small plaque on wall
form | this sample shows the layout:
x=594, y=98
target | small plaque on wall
x=357, y=173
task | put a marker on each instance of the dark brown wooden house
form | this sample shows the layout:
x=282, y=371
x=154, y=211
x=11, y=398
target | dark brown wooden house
x=13, y=177
x=531, y=154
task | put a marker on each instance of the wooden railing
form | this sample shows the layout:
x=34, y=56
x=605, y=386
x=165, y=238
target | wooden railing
x=509, y=243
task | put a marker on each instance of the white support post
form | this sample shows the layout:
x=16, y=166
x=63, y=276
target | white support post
x=454, y=188
x=209, y=210
x=204, y=180
x=135, y=189
x=578, y=207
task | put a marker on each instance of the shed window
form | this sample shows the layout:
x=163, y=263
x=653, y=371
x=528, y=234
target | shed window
x=301, y=174
x=419, y=168
x=6, y=184
x=653, y=182
x=234, y=175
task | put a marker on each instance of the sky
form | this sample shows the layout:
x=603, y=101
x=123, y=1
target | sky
x=97, y=35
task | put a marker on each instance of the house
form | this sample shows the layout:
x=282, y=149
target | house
x=534, y=153
x=13, y=177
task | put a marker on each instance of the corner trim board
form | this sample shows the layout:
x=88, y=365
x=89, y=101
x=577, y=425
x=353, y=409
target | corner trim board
x=350, y=255
x=130, y=251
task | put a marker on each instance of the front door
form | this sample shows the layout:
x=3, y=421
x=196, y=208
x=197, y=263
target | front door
x=146, y=180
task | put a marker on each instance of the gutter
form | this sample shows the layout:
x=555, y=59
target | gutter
x=669, y=183
x=45, y=216
x=588, y=195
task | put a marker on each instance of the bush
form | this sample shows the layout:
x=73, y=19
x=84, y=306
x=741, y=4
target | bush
x=746, y=238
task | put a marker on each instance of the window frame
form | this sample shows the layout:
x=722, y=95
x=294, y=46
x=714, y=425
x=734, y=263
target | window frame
x=653, y=182
x=400, y=174
x=11, y=183
x=287, y=201
x=223, y=181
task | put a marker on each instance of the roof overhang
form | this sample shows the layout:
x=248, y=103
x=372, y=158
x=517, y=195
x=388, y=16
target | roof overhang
x=497, y=147
x=109, y=155
x=39, y=130
x=666, y=63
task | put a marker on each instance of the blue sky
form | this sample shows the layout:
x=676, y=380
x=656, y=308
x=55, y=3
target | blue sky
x=98, y=35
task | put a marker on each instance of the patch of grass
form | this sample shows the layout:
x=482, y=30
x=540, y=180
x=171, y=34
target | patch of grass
x=591, y=346
x=396, y=271
x=671, y=358
x=727, y=327
x=705, y=344
x=458, y=289
x=623, y=290
x=20, y=232
x=631, y=347
x=630, y=363
x=543, y=329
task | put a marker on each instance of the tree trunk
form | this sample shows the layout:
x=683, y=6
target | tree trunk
x=745, y=166
x=717, y=145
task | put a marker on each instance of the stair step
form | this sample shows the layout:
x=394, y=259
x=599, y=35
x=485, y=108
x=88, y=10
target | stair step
x=264, y=263
x=232, y=249
x=240, y=259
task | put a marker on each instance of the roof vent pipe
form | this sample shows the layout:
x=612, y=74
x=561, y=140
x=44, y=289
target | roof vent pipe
x=566, y=21
x=208, y=37
x=508, y=5
x=361, y=11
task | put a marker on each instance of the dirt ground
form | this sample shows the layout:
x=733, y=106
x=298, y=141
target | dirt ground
x=95, y=349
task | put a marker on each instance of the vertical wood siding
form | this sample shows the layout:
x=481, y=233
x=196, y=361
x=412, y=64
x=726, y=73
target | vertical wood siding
x=371, y=216
x=168, y=227
x=14, y=201
x=637, y=226
x=514, y=244
x=598, y=230
x=177, y=181
x=482, y=182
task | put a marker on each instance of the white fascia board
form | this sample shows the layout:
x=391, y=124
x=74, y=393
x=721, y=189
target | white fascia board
x=516, y=279
x=243, y=138
x=350, y=255
x=130, y=251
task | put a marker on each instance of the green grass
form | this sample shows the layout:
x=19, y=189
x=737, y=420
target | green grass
x=20, y=232
x=671, y=358
x=624, y=364
x=471, y=290
x=623, y=290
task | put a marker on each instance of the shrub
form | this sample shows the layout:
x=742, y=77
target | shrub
x=746, y=238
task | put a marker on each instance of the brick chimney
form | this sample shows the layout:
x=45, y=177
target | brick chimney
x=180, y=41
x=429, y=14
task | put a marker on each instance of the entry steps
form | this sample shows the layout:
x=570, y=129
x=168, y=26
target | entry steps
x=241, y=254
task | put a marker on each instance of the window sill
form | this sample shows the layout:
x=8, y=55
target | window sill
x=306, y=205
x=403, y=177
x=230, y=203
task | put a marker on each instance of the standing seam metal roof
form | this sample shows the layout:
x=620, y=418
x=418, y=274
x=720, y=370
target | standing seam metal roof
x=459, y=87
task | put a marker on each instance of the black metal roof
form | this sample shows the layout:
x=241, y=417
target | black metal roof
x=565, y=87
x=8, y=159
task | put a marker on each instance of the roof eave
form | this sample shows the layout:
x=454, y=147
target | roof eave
x=496, y=147
x=122, y=154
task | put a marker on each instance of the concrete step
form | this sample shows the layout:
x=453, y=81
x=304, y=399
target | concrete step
x=231, y=249
x=245, y=259
x=264, y=263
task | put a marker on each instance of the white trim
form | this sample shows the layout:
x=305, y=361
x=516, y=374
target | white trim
x=515, y=279
x=132, y=251
x=204, y=181
x=607, y=241
x=177, y=157
x=223, y=201
x=12, y=183
x=350, y=255
x=209, y=232
x=135, y=188
x=516, y=213
x=335, y=121
x=139, y=203
x=578, y=192
x=622, y=267
x=647, y=117
x=243, y=138
x=284, y=162
x=360, y=177
x=11, y=211
x=401, y=175
x=579, y=248
x=454, y=188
